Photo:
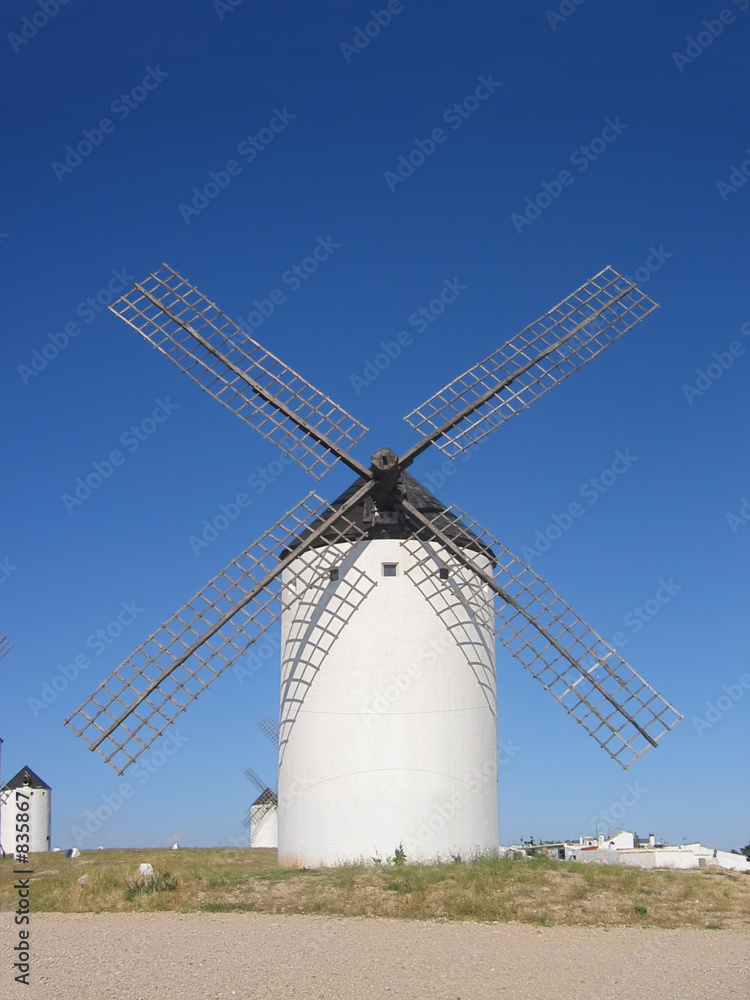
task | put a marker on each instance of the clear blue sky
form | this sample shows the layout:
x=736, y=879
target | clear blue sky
x=198, y=81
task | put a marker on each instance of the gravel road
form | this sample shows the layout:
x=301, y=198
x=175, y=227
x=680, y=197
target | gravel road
x=250, y=956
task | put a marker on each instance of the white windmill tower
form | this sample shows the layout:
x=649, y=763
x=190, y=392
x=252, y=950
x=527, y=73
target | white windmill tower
x=380, y=583
x=262, y=819
x=26, y=789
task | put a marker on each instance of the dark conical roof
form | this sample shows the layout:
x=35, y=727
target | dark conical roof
x=266, y=797
x=26, y=777
x=418, y=496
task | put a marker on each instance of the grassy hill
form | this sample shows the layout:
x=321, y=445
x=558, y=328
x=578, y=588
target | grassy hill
x=489, y=889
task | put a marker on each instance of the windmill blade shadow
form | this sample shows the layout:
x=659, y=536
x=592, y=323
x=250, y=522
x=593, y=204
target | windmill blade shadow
x=464, y=605
x=312, y=633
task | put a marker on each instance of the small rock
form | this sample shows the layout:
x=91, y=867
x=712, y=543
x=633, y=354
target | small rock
x=146, y=870
x=83, y=880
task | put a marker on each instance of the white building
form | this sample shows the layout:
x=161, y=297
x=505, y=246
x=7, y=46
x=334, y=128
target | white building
x=388, y=733
x=621, y=850
x=37, y=794
x=684, y=856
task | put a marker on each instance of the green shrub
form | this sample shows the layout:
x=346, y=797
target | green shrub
x=163, y=882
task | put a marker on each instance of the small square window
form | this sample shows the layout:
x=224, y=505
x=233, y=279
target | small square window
x=444, y=573
x=333, y=575
x=390, y=569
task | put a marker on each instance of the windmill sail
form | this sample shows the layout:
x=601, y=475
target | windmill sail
x=581, y=671
x=270, y=729
x=235, y=369
x=541, y=356
x=255, y=779
x=139, y=700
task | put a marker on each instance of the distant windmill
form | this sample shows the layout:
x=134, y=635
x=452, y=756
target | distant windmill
x=25, y=789
x=386, y=599
x=5, y=646
x=261, y=819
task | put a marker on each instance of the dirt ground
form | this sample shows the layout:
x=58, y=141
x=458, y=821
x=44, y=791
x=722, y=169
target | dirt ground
x=155, y=956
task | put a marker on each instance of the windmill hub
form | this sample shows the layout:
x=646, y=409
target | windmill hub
x=386, y=470
x=383, y=460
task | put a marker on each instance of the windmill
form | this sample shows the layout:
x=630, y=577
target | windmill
x=5, y=646
x=263, y=811
x=261, y=818
x=389, y=601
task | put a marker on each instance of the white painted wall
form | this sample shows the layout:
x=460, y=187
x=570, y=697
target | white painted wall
x=40, y=811
x=621, y=841
x=737, y=862
x=681, y=857
x=592, y=855
x=267, y=834
x=659, y=857
x=388, y=711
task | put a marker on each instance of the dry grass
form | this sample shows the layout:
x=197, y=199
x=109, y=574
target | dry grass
x=489, y=889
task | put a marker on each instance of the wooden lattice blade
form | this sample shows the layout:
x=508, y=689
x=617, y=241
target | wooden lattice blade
x=235, y=369
x=146, y=693
x=533, y=362
x=592, y=682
